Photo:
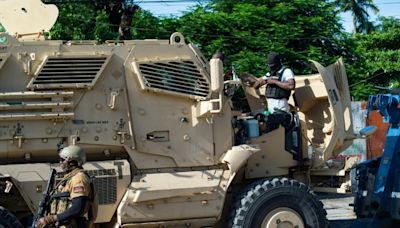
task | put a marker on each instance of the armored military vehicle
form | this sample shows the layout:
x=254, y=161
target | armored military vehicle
x=161, y=138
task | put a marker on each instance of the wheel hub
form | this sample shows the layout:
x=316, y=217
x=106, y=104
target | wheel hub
x=282, y=217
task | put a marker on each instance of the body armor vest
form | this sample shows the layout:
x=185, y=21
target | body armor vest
x=61, y=204
x=276, y=92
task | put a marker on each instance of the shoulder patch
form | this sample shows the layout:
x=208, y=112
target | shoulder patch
x=78, y=189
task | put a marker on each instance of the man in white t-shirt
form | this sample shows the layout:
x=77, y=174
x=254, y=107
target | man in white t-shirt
x=280, y=82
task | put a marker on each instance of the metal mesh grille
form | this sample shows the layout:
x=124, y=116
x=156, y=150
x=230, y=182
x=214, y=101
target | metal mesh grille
x=105, y=183
x=70, y=71
x=106, y=188
x=101, y=172
x=179, y=77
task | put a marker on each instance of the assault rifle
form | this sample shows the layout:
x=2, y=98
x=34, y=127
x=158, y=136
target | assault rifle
x=44, y=202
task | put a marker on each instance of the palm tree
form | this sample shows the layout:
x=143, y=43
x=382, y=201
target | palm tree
x=359, y=10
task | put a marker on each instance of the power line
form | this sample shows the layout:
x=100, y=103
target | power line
x=159, y=1
x=387, y=3
x=124, y=1
x=364, y=80
x=170, y=14
x=208, y=35
x=175, y=1
x=200, y=1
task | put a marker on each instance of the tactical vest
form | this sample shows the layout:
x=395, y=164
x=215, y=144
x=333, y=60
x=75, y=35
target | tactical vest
x=276, y=92
x=61, y=204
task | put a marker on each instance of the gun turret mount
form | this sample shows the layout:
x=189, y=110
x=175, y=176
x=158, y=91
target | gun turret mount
x=27, y=19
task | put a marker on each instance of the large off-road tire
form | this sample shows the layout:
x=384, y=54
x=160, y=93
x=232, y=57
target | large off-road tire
x=8, y=219
x=277, y=202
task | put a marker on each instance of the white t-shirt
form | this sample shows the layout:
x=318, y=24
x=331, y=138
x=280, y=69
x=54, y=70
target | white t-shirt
x=280, y=104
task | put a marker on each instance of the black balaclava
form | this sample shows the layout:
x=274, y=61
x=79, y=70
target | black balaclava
x=274, y=62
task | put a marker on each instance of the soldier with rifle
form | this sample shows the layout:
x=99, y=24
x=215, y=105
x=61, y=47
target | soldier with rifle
x=72, y=201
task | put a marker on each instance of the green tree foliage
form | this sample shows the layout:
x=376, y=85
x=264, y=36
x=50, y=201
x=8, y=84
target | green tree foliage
x=379, y=54
x=100, y=20
x=102, y=30
x=247, y=32
x=76, y=22
x=359, y=10
x=2, y=29
x=146, y=26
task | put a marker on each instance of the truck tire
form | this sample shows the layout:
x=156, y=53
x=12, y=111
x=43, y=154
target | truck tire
x=8, y=219
x=269, y=202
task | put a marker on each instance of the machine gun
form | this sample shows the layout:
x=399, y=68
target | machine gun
x=45, y=198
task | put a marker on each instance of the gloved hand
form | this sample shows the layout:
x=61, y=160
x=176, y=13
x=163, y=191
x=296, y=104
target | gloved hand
x=46, y=221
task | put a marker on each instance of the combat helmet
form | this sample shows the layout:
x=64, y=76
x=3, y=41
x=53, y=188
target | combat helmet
x=73, y=153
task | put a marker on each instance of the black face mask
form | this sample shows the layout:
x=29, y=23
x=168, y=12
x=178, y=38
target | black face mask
x=274, y=63
x=275, y=68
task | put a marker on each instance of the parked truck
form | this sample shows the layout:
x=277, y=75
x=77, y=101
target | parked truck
x=162, y=141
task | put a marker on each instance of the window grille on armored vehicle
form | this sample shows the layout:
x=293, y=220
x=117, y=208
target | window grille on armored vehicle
x=176, y=77
x=69, y=72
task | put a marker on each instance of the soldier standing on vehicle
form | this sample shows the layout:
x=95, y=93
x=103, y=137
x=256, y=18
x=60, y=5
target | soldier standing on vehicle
x=280, y=82
x=73, y=199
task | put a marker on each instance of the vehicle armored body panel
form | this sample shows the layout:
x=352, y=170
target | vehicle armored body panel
x=162, y=141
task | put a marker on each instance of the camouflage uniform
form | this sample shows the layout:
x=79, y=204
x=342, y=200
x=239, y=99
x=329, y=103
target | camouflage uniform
x=76, y=183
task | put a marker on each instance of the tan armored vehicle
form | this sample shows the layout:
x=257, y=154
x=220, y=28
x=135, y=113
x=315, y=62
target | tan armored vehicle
x=162, y=141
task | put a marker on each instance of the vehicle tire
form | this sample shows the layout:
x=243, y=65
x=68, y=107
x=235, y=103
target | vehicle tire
x=277, y=202
x=8, y=219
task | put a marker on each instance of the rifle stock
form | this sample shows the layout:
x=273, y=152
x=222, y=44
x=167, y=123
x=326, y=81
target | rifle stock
x=44, y=202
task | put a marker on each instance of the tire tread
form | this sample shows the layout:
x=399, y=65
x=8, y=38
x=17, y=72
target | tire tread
x=253, y=191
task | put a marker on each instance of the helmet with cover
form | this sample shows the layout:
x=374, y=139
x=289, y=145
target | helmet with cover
x=73, y=153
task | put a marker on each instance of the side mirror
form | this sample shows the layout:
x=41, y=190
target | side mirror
x=367, y=131
x=217, y=75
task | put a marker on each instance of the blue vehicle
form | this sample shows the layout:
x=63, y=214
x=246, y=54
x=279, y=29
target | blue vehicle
x=378, y=193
